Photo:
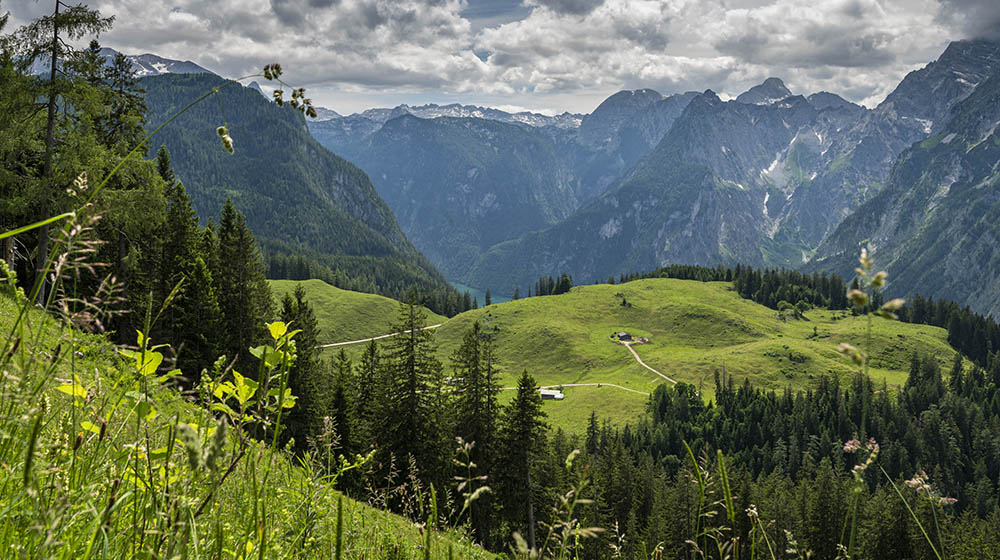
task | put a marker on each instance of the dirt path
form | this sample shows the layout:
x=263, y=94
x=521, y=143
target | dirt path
x=643, y=364
x=582, y=385
x=331, y=345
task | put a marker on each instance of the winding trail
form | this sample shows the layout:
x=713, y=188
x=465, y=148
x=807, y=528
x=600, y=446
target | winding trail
x=643, y=364
x=331, y=345
x=582, y=385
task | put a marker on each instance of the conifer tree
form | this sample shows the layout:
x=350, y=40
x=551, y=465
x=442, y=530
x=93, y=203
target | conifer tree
x=306, y=378
x=407, y=415
x=341, y=407
x=489, y=299
x=475, y=371
x=371, y=387
x=522, y=440
x=244, y=295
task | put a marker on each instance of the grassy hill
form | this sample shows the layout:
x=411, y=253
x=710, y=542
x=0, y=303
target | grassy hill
x=91, y=469
x=345, y=315
x=694, y=329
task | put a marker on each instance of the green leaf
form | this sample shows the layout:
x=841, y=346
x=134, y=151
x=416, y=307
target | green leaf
x=73, y=389
x=224, y=408
x=152, y=361
x=157, y=454
x=278, y=329
x=90, y=427
x=145, y=410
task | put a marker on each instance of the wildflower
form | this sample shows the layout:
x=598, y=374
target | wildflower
x=858, y=297
x=852, y=446
x=893, y=304
x=947, y=501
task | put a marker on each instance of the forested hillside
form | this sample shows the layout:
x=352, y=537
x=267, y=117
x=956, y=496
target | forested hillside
x=297, y=197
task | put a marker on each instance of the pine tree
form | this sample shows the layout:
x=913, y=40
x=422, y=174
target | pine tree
x=244, y=295
x=306, y=378
x=489, y=299
x=477, y=407
x=407, y=410
x=522, y=440
x=517, y=294
x=371, y=389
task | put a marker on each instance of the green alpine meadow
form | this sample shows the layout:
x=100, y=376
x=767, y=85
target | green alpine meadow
x=500, y=280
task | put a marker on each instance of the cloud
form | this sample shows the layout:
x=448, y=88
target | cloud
x=978, y=19
x=575, y=7
x=562, y=54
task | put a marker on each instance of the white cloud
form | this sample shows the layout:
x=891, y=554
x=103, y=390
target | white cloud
x=566, y=54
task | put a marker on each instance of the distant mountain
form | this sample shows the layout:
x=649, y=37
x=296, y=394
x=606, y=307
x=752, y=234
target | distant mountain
x=297, y=196
x=432, y=111
x=936, y=224
x=460, y=185
x=771, y=91
x=143, y=64
x=762, y=180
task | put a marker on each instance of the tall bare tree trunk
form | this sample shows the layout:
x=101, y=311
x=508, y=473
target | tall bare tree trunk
x=43, y=232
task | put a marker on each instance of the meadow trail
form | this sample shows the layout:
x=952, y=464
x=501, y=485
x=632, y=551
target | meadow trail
x=582, y=385
x=643, y=364
x=332, y=344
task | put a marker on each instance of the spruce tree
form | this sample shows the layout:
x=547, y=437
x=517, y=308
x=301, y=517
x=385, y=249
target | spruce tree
x=407, y=415
x=371, y=388
x=244, y=295
x=522, y=441
x=475, y=372
x=306, y=378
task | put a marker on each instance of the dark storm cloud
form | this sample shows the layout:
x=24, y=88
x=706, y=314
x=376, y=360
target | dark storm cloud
x=979, y=19
x=575, y=7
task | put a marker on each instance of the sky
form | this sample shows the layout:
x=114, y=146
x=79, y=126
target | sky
x=548, y=56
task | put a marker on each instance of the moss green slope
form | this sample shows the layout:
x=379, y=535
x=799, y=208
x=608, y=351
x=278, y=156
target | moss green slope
x=344, y=315
x=694, y=330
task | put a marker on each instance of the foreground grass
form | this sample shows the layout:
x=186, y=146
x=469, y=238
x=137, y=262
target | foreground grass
x=98, y=460
x=695, y=329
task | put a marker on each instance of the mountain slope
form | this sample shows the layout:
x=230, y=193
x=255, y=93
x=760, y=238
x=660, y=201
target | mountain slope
x=762, y=182
x=296, y=195
x=935, y=224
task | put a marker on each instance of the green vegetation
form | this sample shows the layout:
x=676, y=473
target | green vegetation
x=695, y=329
x=77, y=434
x=298, y=198
x=345, y=315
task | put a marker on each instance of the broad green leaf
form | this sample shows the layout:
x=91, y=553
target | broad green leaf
x=224, y=408
x=157, y=454
x=145, y=410
x=90, y=427
x=152, y=361
x=278, y=329
x=73, y=389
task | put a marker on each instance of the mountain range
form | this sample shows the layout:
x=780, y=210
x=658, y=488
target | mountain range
x=770, y=178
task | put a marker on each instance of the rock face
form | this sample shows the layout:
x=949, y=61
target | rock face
x=767, y=93
x=936, y=224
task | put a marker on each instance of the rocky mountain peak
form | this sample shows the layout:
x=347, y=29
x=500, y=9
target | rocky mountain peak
x=765, y=93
